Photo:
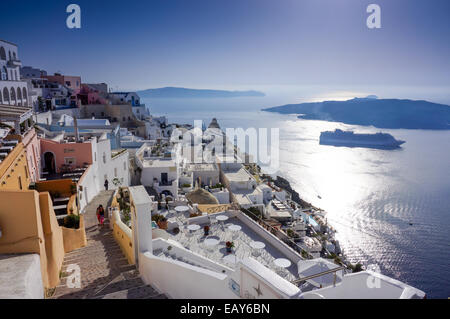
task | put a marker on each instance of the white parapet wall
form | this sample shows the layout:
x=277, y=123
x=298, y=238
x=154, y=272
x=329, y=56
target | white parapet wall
x=20, y=277
x=180, y=280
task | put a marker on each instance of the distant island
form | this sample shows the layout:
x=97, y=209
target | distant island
x=177, y=92
x=381, y=113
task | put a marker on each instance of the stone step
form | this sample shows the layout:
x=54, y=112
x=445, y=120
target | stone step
x=86, y=264
x=118, y=285
x=93, y=249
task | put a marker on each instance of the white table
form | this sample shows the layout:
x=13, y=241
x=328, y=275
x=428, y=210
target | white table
x=222, y=219
x=282, y=264
x=193, y=227
x=256, y=247
x=235, y=229
x=182, y=209
x=210, y=243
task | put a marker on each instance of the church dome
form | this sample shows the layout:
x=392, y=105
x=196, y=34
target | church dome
x=202, y=197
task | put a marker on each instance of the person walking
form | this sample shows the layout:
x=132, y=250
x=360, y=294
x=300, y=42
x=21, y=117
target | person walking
x=100, y=215
x=106, y=184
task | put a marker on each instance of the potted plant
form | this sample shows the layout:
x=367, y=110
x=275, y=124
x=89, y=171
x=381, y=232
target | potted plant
x=206, y=230
x=229, y=246
x=162, y=222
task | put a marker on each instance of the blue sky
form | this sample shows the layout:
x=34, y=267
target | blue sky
x=236, y=43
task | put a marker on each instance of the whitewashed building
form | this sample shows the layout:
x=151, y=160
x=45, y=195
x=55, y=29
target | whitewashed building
x=13, y=91
x=158, y=170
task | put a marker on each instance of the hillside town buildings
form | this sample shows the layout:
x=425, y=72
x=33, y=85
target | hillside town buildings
x=189, y=212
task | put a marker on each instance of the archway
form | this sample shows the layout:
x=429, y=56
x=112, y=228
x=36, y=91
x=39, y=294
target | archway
x=49, y=163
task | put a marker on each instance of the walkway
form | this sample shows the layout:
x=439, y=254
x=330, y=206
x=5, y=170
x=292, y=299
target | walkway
x=105, y=272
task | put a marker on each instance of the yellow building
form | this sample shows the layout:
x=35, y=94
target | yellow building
x=28, y=222
x=14, y=170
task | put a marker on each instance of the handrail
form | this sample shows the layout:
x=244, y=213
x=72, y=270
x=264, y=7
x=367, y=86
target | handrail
x=334, y=270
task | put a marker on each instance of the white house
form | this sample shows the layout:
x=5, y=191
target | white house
x=159, y=170
x=13, y=91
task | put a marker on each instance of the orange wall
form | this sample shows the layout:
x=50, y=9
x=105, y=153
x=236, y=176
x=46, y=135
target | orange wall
x=21, y=224
x=13, y=169
x=54, y=241
x=82, y=152
x=62, y=186
x=29, y=225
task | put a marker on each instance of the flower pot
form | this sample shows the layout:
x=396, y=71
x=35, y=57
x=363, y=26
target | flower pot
x=206, y=232
x=229, y=249
x=162, y=224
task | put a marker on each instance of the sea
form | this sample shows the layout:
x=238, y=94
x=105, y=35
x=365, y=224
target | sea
x=391, y=208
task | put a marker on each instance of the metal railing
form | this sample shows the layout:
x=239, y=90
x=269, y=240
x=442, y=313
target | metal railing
x=279, y=234
x=334, y=270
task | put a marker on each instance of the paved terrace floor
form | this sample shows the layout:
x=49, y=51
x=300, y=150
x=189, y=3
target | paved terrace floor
x=242, y=248
x=105, y=272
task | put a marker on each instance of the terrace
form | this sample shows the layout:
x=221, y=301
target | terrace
x=249, y=238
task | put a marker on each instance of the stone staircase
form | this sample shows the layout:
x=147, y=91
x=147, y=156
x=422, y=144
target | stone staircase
x=104, y=271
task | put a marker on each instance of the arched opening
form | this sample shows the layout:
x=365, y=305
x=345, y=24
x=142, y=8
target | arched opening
x=2, y=53
x=4, y=75
x=13, y=96
x=24, y=95
x=1, y=100
x=19, y=94
x=14, y=56
x=49, y=163
x=6, y=95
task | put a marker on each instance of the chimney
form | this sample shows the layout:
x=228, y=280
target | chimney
x=75, y=124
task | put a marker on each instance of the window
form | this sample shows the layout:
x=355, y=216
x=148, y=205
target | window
x=4, y=75
x=104, y=157
x=115, y=171
x=68, y=83
x=26, y=172
x=6, y=95
x=124, y=166
x=103, y=113
x=2, y=53
x=20, y=182
x=95, y=156
x=69, y=160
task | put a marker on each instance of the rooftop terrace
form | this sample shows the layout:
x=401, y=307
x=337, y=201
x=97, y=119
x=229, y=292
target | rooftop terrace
x=244, y=237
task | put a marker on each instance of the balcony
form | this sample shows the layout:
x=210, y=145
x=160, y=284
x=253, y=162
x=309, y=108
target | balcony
x=14, y=63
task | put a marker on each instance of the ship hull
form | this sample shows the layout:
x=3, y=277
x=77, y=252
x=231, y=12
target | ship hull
x=361, y=144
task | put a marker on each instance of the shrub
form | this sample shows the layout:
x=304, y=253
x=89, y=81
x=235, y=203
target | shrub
x=72, y=221
x=157, y=217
